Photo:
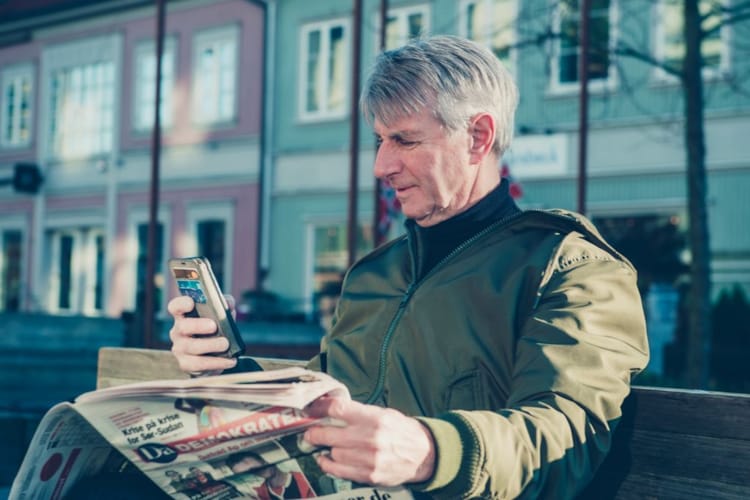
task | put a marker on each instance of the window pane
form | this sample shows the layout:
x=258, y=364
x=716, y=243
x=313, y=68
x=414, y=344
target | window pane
x=82, y=116
x=215, y=76
x=145, y=82
x=211, y=245
x=674, y=39
x=99, y=273
x=472, y=21
x=415, y=25
x=65, y=265
x=336, y=67
x=569, y=45
x=324, y=64
x=313, y=69
x=11, y=270
x=142, y=263
x=16, y=112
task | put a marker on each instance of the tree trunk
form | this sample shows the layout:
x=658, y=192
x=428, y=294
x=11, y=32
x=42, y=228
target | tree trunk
x=699, y=298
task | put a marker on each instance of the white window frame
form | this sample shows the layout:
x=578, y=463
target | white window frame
x=401, y=15
x=14, y=76
x=211, y=38
x=83, y=270
x=325, y=112
x=658, y=25
x=486, y=29
x=81, y=54
x=595, y=85
x=136, y=217
x=143, y=99
x=211, y=211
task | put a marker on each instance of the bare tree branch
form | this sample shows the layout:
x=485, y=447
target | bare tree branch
x=621, y=49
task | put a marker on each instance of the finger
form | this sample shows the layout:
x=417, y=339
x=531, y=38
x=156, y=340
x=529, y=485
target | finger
x=338, y=407
x=351, y=471
x=181, y=305
x=203, y=364
x=230, y=301
x=200, y=346
x=190, y=327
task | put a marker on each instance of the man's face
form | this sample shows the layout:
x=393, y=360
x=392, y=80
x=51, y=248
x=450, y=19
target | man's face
x=429, y=167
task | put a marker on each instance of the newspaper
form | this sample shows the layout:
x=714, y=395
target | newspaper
x=218, y=437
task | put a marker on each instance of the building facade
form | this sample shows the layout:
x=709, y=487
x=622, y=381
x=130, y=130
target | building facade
x=256, y=159
x=636, y=178
x=77, y=101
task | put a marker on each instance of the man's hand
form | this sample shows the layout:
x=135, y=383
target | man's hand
x=377, y=446
x=192, y=339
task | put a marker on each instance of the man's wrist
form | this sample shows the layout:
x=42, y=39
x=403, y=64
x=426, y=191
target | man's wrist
x=427, y=468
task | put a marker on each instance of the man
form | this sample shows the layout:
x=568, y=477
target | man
x=487, y=351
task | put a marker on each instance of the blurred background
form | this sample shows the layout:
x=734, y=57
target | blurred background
x=634, y=112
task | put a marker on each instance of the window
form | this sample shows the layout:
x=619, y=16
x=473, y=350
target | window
x=670, y=40
x=10, y=269
x=404, y=24
x=77, y=270
x=211, y=245
x=145, y=80
x=492, y=23
x=323, y=69
x=329, y=248
x=16, y=100
x=567, y=48
x=209, y=235
x=82, y=113
x=142, y=264
x=215, y=61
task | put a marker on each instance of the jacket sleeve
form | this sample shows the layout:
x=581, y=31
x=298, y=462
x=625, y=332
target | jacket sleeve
x=574, y=360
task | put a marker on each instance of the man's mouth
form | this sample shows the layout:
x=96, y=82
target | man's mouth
x=402, y=189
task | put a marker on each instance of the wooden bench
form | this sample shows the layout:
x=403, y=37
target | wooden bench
x=671, y=444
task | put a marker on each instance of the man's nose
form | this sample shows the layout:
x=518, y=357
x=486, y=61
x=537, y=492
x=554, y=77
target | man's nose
x=386, y=163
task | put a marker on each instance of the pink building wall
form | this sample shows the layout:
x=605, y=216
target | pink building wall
x=183, y=24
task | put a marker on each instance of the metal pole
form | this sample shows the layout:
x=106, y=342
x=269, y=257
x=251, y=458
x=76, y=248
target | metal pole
x=150, y=292
x=583, y=129
x=377, y=236
x=354, y=134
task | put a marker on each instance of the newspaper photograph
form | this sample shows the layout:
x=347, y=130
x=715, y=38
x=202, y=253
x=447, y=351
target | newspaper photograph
x=220, y=437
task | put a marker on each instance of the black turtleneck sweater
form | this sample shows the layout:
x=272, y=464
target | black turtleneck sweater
x=432, y=244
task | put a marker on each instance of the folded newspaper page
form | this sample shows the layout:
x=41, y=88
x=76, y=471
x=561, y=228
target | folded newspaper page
x=219, y=437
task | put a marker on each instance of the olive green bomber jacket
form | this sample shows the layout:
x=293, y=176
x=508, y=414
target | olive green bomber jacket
x=516, y=351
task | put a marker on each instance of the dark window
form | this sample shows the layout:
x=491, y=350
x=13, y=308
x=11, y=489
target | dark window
x=143, y=263
x=11, y=270
x=211, y=245
x=66, y=271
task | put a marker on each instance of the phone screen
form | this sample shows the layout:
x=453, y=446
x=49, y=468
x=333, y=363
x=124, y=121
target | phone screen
x=189, y=283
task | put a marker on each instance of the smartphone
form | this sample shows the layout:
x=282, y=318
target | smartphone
x=196, y=279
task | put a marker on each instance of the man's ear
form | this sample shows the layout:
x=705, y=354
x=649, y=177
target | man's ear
x=482, y=130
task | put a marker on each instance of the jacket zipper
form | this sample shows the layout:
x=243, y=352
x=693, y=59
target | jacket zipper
x=378, y=390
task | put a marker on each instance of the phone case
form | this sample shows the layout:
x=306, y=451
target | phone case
x=196, y=280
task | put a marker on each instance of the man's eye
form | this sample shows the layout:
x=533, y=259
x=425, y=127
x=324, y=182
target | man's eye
x=378, y=142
